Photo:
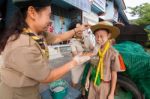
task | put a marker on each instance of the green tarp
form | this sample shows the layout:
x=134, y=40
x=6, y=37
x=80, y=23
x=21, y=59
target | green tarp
x=137, y=62
x=123, y=95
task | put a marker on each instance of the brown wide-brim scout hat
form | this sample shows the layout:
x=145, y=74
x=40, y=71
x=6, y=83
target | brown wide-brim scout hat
x=106, y=25
x=35, y=3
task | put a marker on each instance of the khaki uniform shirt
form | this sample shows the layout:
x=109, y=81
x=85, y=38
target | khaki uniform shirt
x=24, y=64
x=111, y=63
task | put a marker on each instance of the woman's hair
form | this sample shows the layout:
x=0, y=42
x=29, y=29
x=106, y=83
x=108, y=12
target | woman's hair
x=16, y=25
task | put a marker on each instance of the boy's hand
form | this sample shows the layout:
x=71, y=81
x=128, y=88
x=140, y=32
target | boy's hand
x=111, y=96
x=87, y=84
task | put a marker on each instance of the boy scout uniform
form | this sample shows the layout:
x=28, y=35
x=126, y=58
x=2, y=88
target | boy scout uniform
x=111, y=63
x=23, y=68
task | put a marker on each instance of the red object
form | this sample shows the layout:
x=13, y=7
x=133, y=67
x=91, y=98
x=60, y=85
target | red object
x=122, y=65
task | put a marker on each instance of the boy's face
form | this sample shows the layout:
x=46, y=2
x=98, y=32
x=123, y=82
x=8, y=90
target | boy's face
x=102, y=36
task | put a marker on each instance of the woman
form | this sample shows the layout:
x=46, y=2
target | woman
x=25, y=53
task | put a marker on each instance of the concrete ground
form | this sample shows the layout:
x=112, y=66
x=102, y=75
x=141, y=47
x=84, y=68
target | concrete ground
x=72, y=93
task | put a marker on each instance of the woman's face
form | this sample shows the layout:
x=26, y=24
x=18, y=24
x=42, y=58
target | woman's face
x=41, y=18
x=78, y=34
x=101, y=36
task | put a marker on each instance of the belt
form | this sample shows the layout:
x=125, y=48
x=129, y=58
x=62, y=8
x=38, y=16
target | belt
x=105, y=81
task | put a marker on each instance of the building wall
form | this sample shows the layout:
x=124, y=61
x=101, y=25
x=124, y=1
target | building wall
x=61, y=23
x=111, y=13
x=62, y=18
x=90, y=18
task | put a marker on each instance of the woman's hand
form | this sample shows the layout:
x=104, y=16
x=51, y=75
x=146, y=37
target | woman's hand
x=111, y=96
x=90, y=54
x=87, y=84
x=80, y=59
x=82, y=27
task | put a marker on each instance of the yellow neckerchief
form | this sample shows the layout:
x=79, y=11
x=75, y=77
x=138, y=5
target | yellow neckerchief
x=39, y=40
x=100, y=67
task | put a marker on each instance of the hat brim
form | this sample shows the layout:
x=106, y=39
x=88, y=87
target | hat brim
x=112, y=29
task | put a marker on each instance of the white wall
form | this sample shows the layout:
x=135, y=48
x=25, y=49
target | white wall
x=111, y=13
x=90, y=18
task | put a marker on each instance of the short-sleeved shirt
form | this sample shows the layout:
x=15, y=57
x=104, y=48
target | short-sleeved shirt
x=23, y=63
x=111, y=63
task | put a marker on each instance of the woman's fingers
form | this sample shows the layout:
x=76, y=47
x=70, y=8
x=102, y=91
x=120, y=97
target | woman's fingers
x=88, y=54
x=80, y=59
x=87, y=25
x=84, y=27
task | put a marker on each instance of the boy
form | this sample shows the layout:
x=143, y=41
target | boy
x=105, y=64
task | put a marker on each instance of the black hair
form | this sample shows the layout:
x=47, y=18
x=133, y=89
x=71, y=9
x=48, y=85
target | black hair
x=16, y=25
x=73, y=24
x=2, y=15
